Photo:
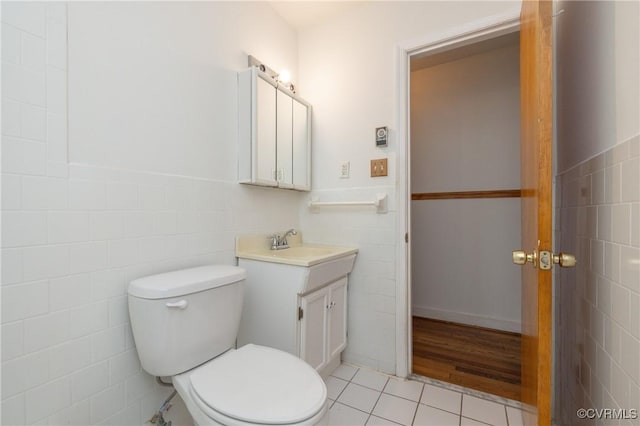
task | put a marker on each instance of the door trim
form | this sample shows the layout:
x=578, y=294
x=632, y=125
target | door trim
x=473, y=32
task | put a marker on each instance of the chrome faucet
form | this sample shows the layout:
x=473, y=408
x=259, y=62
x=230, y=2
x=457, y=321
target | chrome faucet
x=279, y=242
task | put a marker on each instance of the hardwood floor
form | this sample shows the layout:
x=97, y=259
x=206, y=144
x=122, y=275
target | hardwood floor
x=478, y=358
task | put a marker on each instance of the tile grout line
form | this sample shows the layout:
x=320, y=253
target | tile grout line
x=417, y=406
x=376, y=403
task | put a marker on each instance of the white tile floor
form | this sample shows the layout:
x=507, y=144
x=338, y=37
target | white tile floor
x=364, y=397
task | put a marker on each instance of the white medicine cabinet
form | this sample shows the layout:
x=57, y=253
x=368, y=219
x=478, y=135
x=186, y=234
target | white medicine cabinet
x=274, y=134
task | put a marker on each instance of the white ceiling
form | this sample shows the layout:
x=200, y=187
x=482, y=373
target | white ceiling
x=304, y=13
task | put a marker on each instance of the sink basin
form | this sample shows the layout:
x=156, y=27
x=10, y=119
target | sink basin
x=303, y=255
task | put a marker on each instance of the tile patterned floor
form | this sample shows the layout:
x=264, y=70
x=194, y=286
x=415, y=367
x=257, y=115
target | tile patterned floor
x=359, y=396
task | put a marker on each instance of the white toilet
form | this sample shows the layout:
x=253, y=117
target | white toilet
x=185, y=325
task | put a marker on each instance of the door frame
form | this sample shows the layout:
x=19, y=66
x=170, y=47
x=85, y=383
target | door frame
x=473, y=32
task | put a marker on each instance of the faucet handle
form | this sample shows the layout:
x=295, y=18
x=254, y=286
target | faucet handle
x=275, y=240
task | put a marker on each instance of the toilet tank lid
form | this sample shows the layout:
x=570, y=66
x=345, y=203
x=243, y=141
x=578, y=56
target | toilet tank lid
x=185, y=281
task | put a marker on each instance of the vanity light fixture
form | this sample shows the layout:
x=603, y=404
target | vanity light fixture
x=283, y=78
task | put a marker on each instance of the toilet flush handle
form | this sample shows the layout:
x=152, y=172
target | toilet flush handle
x=180, y=305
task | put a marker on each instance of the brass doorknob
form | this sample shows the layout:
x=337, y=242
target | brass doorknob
x=565, y=260
x=521, y=257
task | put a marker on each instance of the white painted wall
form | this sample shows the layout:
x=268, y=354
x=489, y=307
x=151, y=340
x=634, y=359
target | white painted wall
x=465, y=136
x=169, y=84
x=348, y=70
x=606, y=60
x=152, y=94
x=596, y=321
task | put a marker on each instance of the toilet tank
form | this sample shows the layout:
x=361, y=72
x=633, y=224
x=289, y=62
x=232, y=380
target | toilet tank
x=184, y=318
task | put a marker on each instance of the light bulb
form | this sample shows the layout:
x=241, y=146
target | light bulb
x=284, y=76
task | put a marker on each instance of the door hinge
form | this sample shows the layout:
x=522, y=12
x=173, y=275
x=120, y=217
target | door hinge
x=406, y=237
x=300, y=313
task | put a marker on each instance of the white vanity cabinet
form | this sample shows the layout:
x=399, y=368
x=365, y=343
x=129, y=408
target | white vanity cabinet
x=274, y=134
x=298, y=309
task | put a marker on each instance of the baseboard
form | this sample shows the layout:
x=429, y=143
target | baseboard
x=469, y=319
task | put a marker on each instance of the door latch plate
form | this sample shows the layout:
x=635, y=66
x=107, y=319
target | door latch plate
x=545, y=259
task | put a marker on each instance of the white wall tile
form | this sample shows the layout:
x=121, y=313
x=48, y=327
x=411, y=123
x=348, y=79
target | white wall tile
x=33, y=52
x=631, y=180
x=88, y=257
x=118, y=311
x=11, y=192
x=124, y=365
x=152, y=249
x=12, y=340
x=11, y=45
x=68, y=226
x=138, y=224
x=23, y=228
x=122, y=196
x=152, y=197
x=33, y=123
x=137, y=386
x=56, y=90
x=69, y=292
x=57, y=34
x=108, y=343
x=89, y=381
x=27, y=16
x=630, y=268
x=130, y=416
x=45, y=261
x=620, y=222
x=47, y=399
x=24, y=300
x=106, y=225
x=635, y=225
x=12, y=271
x=76, y=415
x=164, y=222
x=56, y=138
x=123, y=252
x=23, y=85
x=106, y=403
x=44, y=193
x=25, y=373
x=88, y=319
x=13, y=411
x=69, y=357
x=23, y=156
x=106, y=284
x=45, y=331
x=87, y=195
x=11, y=119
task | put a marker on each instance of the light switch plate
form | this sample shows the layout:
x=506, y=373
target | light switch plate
x=344, y=170
x=379, y=167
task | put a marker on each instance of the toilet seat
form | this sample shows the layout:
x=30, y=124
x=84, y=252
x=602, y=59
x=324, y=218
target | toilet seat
x=258, y=385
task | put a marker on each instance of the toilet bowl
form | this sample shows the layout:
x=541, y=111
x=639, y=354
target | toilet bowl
x=185, y=325
x=254, y=385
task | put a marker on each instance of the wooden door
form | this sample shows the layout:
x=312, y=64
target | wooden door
x=536, y=162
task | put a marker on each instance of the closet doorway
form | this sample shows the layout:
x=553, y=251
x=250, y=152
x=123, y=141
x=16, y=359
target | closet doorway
x=465, y=215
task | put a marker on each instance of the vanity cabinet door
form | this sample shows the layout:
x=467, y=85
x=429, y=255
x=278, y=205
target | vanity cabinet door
x=337, y=317
x=313, y=331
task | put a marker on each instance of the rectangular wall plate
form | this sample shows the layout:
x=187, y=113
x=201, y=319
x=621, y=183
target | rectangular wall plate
x=379, y=167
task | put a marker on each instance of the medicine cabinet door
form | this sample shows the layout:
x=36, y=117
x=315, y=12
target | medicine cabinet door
x=301, y=146
x=265, y=145
x=284, y=143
